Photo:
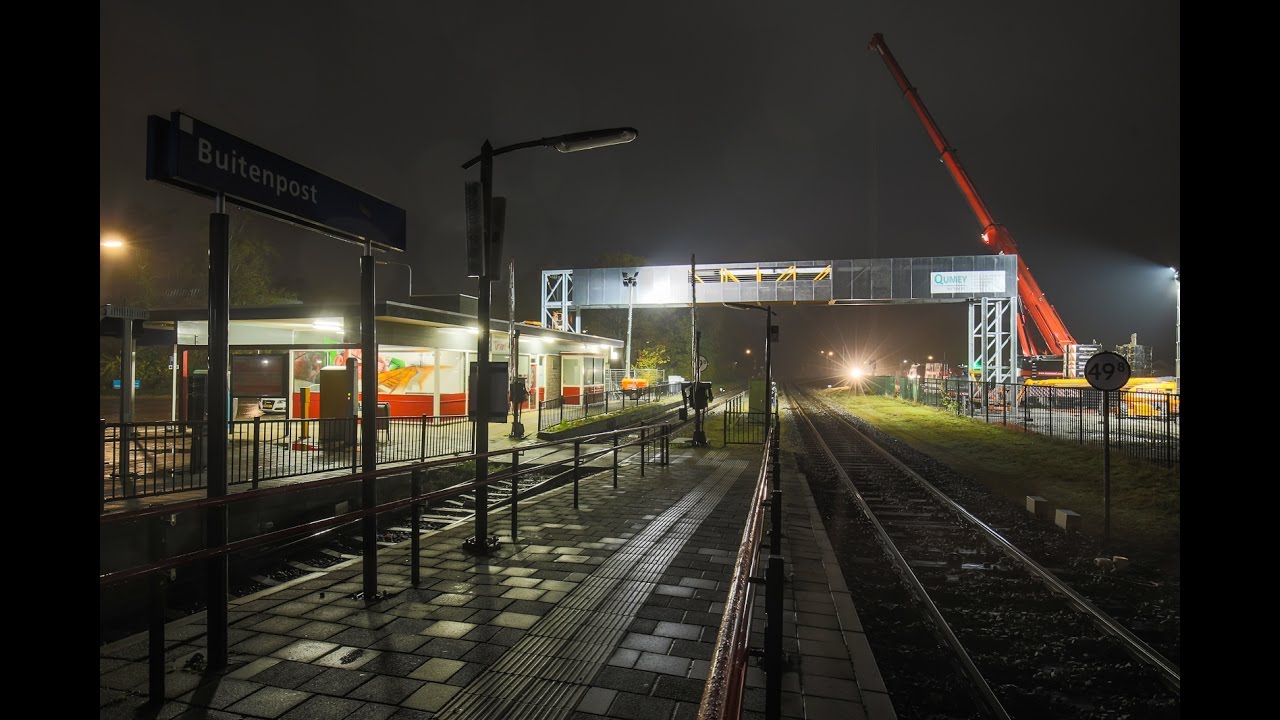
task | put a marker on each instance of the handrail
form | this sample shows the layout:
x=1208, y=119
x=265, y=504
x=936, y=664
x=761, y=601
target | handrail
x=137, y=571
x=206, y=503
x=336, y=520
x=722, y=695
x=218, y=631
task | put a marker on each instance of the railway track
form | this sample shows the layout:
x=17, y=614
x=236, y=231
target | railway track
x=965, y=622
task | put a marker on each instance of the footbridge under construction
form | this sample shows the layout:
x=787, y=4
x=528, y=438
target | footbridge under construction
x=988, y=283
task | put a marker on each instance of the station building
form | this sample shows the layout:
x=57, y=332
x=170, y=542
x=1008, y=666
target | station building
x=426, y=347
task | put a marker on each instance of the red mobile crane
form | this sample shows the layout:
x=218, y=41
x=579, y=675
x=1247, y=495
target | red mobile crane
x=1033, y=302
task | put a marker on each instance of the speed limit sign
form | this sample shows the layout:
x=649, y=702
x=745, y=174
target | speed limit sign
x=1107, y=371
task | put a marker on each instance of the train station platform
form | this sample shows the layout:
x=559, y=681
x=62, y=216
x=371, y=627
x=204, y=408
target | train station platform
x=607, y=611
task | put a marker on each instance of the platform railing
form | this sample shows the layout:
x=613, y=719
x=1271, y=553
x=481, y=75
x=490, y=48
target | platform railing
x=652, y=440
x=741, y=425
x=143, y=459
x=561, y=410
x=651, y=437
x=726, y=678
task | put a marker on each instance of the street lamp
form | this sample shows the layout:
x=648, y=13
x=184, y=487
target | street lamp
x=770, y=333
x=484, y=267
x=403, y=265
x=113, y=245
x=629, y=280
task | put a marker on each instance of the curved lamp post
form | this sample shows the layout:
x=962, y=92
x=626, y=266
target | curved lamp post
x=486, y=271
x=403, y=265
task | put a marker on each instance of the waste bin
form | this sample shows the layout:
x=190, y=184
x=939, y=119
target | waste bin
x=197, y=395
x=381, y=413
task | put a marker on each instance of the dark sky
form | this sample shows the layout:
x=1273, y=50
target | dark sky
x=768, y=131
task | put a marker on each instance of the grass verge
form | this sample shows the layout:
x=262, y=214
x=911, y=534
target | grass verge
x=1145, y=497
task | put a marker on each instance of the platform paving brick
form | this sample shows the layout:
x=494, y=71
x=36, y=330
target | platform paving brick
x=437, y=670
x=347, y=657
x=220, y=693
x=431, y=697
x=316, y=630
x=607, y=611
x=287, y=674
x=323, y=707
x=665, y=664
x=389, y=689
x=373, y=711
x=358, y=637
x=399, y=642
x=269, y=702
x=336, y=681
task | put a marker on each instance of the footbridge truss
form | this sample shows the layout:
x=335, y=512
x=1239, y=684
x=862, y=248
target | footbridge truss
x=989, y=283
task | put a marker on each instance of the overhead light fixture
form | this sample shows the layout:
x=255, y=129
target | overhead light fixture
x=590, y=140
x=320, y=325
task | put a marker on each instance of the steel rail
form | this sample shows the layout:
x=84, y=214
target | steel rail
x=985, y=692
x=1132, y=644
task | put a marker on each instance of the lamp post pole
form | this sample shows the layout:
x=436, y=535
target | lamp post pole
x=485, y=269
x=368, y=422
x=629, y=279
x=513, y=353
x=480, y=542
x=768, y=360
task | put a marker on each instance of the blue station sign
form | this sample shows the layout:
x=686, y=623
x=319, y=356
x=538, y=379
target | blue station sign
x=194, y=156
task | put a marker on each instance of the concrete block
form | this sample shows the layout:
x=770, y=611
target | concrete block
x=1068, y=520
x=1038, y=506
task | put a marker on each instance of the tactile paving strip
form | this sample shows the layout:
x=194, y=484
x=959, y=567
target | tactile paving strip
x=545, y=674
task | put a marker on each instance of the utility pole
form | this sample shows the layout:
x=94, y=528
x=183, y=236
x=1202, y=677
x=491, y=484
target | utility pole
x=629, y=279
x=513, y=358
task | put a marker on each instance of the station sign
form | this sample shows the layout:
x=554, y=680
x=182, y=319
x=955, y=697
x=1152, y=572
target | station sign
x=187, y=153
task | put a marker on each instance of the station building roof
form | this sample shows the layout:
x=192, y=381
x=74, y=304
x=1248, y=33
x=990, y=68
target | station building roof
x=338, y=325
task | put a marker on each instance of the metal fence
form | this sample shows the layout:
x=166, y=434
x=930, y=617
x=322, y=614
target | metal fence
x=1144, y=424
x=742, y=426
x=164, y=457
x=653, y=376
x=561, y=410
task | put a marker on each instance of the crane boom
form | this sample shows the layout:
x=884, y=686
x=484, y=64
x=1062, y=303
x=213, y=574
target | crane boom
x=1048, y=324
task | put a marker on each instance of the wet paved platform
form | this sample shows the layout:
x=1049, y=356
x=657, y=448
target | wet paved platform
x=607, y=611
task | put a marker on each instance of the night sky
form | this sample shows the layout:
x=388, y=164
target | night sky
x=768, y=131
